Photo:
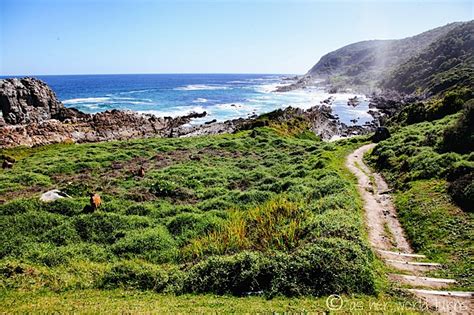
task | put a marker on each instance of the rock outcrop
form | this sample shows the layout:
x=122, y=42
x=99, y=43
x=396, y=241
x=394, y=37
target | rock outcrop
x=381, y=133
x=28, y=100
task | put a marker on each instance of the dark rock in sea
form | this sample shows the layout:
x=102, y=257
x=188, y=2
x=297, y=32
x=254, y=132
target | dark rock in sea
x=210, y=122
x=302, y=83
x=295, y=78
x=381, y=133
x=353, y=101
x=328, y=101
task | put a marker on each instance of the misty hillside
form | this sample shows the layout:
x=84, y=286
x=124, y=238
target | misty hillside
x=445, y=64
x=364, y=64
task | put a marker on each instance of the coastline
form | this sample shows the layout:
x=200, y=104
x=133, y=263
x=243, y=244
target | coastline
x=35, y=122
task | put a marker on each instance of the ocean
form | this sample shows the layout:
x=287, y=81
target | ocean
x=222, y=96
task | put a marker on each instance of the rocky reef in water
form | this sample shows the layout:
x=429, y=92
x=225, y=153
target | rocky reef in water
x=31, y=115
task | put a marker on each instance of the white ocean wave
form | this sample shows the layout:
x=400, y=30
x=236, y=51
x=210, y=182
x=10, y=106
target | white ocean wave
x=136, y=91
x=175, y=111
x=198, y=87
x=91, y=106
x=234, y=106
x=267, y=88
x=86, y=100
x=140, y=103
x=200, y=100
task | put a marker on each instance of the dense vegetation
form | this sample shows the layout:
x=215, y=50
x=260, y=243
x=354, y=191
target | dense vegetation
x=429, y=160
x=364, y=65
x=446, y=64
x=262, y=210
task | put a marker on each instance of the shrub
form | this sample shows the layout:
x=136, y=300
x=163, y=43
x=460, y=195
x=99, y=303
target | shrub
x=461, y=190
x=238, y=274
x=164, y=188
x=134, y=275
x=106, y=228
x=460, y=136
x=62, y=235
x=65, y=206
x=18, y=206
x=328, y=185
x=187, y=225
x=139, y=209
x=154, y=244
x=429, y=164
x=327, y=267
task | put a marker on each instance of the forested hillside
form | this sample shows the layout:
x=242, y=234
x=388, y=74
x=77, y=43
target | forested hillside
x=431, y=62
x=446, y=64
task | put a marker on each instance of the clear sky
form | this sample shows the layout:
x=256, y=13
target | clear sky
x=139, y=36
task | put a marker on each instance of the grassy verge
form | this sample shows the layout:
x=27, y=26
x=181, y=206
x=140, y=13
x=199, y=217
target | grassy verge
x=119, y=301
x=424, y=174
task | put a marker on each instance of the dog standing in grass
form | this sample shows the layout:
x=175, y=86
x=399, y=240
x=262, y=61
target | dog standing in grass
x=95, y=201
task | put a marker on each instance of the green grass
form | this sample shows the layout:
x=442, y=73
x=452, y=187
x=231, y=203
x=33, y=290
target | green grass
x=416, y=164
x=271, y=209
x=120, y=301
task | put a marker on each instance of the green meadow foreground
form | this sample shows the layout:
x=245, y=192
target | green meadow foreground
x=265, y=219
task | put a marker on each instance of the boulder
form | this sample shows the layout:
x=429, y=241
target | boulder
x=381, y=133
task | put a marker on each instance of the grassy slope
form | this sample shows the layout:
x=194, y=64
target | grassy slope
x=412, y=161
x=143, y=237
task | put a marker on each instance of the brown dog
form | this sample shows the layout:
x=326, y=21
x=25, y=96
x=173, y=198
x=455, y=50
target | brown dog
x=95, y=201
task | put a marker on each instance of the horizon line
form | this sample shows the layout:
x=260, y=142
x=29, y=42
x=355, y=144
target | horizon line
x=150, y=73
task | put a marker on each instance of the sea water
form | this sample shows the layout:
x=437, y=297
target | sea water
x=222, y=96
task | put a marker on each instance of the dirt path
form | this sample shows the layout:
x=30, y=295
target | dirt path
x=388, y=240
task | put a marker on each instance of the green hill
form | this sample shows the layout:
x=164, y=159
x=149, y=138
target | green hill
x=391, y=64
x=446, y=64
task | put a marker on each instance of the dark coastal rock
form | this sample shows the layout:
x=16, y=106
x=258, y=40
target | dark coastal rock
x=30, y=100
x=353, y=101
x=301, y=83
x=381, y=133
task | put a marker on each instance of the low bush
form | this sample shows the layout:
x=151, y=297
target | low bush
x=460, y=136
x=18, y=206
x=134, y=275
x=106, y=228
x=243, y=273
x=153, y=244
x=66, y=206
x=329, y=267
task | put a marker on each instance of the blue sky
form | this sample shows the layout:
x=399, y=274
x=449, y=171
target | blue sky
x=138, y=36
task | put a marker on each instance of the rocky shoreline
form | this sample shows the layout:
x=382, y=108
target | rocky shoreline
x=31, y=115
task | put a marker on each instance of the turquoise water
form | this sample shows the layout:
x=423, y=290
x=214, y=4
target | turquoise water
x=222, y=96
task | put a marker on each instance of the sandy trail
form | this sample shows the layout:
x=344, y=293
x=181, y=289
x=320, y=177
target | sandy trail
x=388, y=240
x=385, y=231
